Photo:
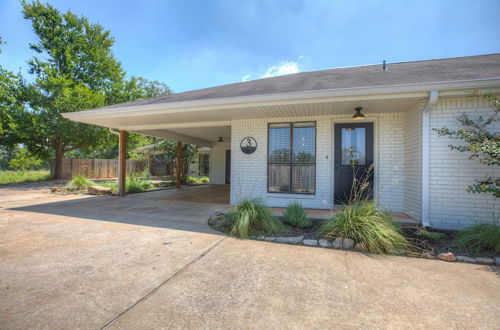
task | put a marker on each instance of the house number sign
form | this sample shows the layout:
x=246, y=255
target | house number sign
x=248, y=145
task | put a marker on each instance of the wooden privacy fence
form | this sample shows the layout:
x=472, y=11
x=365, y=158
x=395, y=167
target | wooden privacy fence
x=108, y=168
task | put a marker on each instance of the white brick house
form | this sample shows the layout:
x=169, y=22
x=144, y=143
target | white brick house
x=306, y=143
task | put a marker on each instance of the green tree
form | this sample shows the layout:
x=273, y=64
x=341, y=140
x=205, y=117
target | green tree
x=23, y=160
x=480, y=141
x=74, y=69
x=12, y=94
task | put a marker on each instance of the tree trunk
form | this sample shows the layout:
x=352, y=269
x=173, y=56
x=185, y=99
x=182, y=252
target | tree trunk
x=59, y=150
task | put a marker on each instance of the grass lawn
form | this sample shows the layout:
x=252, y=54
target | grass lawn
x=7, y=177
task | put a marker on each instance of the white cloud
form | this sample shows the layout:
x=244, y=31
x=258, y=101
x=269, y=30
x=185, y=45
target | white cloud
x=245, y=78
x=281, y=69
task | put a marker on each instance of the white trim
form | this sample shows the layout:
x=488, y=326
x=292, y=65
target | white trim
x=426, y=131
x=330, y=95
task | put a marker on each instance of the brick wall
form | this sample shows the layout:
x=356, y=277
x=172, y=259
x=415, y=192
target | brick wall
x=451, y=171
x=249, y=177
x=412, y=197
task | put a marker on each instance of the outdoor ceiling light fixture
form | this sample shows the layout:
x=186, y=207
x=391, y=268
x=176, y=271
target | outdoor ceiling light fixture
x=358, y=115
x=220, y=139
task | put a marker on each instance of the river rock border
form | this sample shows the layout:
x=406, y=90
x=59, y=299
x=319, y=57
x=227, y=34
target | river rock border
x=349, y=244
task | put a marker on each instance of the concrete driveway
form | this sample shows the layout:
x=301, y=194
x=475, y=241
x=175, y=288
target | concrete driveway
x=150, y=261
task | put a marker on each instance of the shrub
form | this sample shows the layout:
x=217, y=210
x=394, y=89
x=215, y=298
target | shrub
x=481, y=238
x=204, y=179
x=296, y=216
x=80, y=182
x=191, y=179
x=250, y=216
x=136, y=185
x=364, y=223
x=146, y=174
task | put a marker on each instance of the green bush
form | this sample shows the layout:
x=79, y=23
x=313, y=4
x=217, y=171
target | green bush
x=364, y=223
x=481, y=238
x=136, y=185
x=296, y=216
x=251, y=217
x=80, y=182
x=146, y=174
x=191, y=179
x=204, y=179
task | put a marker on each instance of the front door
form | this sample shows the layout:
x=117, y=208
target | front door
x=353, y=160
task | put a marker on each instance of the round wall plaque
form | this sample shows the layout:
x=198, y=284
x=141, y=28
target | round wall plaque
x=248, y=145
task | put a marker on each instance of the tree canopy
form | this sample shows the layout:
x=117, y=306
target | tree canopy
x=74, y=69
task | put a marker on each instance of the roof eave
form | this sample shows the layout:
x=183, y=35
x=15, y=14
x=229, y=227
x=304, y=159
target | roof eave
x=343, y=94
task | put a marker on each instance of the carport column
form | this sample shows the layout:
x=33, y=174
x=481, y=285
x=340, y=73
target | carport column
x=179, y=165
x=123, y=163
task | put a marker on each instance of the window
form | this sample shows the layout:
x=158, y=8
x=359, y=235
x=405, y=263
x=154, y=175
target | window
x=292, y=158
x=203, y=166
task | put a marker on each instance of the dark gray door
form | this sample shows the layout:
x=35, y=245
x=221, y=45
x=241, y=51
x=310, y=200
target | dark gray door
x=353, y=158
x=228, y=166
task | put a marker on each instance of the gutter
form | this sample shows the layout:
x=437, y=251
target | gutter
x=426, y=131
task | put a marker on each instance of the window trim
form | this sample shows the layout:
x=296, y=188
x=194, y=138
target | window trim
x=290, y=162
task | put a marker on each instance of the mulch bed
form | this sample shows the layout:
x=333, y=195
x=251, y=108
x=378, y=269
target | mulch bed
x=419, y=244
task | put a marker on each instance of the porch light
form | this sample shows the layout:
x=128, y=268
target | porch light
x=358, y=115
x=220, y=139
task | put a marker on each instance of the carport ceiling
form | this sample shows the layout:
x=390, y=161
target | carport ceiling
x=168, y=119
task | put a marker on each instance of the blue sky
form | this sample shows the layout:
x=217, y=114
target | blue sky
x=197, y=44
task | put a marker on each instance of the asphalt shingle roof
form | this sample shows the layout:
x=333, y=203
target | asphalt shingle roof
x=440, y=70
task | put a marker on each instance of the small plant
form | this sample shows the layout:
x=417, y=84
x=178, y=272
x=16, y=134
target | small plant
x=146, y=174
x=296, y=216
x=364, y=223
x=433, y=236
x=136, y=185
x=80, y=182
x=251, y=217
x=204, y=179
x=481, y=238
x=191, y=179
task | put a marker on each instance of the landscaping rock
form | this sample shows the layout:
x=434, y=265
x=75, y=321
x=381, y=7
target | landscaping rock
x=497, y=261
x=98, y=190
x=337, y=243
x=450, y=257
x=310, y=242
x=270, y=239
x=290, y=240
x=325, y=243
x=347, y=243
x=397, y=252
x=428, y=255
x=360, y=247
x=412, y=254
x=483, y=260
x=466, y=259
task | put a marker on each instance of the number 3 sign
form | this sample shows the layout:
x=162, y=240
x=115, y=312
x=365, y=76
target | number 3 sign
x=248, y=145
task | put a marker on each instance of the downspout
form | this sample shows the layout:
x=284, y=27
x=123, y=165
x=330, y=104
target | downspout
x=112, y=131
x=426, y=132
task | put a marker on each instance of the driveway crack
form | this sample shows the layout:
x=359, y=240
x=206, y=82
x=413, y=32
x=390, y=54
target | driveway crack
x=152, y=292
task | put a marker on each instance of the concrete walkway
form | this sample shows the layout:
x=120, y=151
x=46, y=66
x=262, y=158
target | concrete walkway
x=150, y=261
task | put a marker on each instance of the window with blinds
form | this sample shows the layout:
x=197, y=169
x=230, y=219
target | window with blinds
x=292, y=158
